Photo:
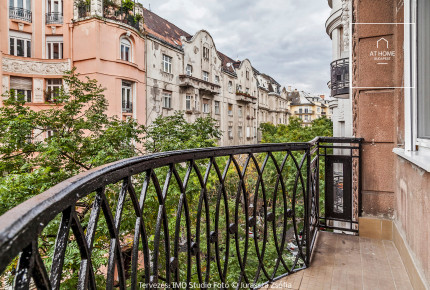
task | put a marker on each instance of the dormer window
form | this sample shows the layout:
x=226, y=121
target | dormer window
x=189, y=70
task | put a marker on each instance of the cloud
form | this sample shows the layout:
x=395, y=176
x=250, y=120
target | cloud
x=283, y=38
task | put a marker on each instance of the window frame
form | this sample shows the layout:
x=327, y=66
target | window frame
x=126, y=86
x=188, y=103
x=189, y=70
x=167, y=61
x=167, y=96
x=26, y=38
x=52, y=89
x=217, y=107
x=123, y=43
x=205, y=76
x=50, y=41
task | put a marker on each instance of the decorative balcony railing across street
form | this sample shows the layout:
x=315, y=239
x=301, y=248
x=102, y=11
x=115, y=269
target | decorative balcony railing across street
x=339, y=82
x=244, y=216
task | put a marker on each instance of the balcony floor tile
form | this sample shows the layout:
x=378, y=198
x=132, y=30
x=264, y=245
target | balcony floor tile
x=350, y=262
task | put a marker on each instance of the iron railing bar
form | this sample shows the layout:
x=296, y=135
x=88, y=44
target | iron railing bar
x=60, y=248
x=24, y=268
x=40, y=274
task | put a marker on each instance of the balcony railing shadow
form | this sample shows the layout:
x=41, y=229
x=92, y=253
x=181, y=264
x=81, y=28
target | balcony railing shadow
x=241, y=214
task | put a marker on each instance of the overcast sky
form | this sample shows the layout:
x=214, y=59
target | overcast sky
x=285, y=39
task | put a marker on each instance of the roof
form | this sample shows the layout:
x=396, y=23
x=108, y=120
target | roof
x=226, y=60
x=299, y=98
x=162, y=29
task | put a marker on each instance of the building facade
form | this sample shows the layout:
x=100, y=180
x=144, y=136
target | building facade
x=391, y=109
x=307, y=107
x=338, y=28
x=187, y=73
x=42, y=39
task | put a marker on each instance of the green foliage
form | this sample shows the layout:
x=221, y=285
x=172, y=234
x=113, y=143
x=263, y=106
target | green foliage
x=175, y=133
x=127, y=5
x=295, y=131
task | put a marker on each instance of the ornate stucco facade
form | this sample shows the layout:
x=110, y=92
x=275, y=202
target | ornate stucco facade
x=42, y=39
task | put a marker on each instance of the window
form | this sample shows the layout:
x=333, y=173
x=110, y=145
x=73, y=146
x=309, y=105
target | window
x=167, y=64
x=55, y=12
x=217, y=79
x=230, y=86
x=206, y=106
x=239, y=111
x=24, y=4
x=188, y=103
x=20, y=9
x=127, y=104
x=54, y=47
x=125, y=49
x=167, y=100
x=206, y=53
x=230, y=132
x=230, y=109
x=248, y=132
x=189, y=70
x=20, y=44
x=217, y=107
x=423, y=72
x=196, y=102
x=205, y=76
x=239, y=132
x=247, y=90
x=21, y=88
x=247, y=75
x=53, y=88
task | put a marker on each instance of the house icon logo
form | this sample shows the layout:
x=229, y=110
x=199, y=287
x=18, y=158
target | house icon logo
x=381, y=42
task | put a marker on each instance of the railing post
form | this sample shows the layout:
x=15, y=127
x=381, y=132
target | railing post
x=308, y=202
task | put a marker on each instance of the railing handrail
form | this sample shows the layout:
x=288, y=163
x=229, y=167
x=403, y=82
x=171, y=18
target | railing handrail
x=25, y=222
x=20, y=222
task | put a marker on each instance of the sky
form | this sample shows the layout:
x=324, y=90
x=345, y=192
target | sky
x=285, y=39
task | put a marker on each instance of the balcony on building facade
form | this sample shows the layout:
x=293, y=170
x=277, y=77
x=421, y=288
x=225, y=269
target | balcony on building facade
x=305, y=112
x=339, y=82
x=205, y=87
x=20, y=14
x=245, y=98
x=54, y=18
x=124, y=16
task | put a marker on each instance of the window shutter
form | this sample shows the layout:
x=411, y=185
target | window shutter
x=21, y=83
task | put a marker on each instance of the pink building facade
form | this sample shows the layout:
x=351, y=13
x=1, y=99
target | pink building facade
x=40, y=39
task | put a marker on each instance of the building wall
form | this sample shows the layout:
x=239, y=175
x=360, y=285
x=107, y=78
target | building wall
x=91, y=45
x=392, y=186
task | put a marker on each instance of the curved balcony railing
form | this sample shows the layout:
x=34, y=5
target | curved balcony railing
x=242, y=214
x=339, y=77
x=54, y=18
x=20, y=13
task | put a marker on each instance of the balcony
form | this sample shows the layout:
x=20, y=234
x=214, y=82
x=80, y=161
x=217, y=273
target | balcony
x=245, y=98
x=204, y=87
x=309, y=112
x=125, y=17
x=54, y=18
x=192, y=216
x=20, y=14
x=339, y=82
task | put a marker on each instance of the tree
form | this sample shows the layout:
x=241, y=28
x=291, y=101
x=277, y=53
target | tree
x=79, y=134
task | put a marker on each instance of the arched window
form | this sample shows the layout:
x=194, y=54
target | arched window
x=125, y=49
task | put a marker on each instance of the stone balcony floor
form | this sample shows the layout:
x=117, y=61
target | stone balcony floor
x=350, y=262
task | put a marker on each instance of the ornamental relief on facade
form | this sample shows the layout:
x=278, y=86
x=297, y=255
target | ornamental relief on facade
x=34, y=67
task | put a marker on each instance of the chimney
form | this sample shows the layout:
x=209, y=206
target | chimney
x=322, y=96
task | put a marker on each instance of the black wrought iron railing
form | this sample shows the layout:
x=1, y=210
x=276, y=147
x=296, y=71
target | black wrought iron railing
x=243, y=216
x=20, y=13
x=339, y=77
x=54, y=18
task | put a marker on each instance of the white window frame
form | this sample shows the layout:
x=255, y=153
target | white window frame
x=24, y=4
x=239, y=111
x=206, y=108
x=126, y=43
x=167, y=100
x=53, y=88
x=240, y=132
x=25, y=37
x=217, y=107
x=189, y=70
x=206, y=53
x=188, y=103
x=205, y=76
x=230, y=86
x=230, y=112
x=50, y=42
x=167, y=64
x=217, y=79
x=126, y=96
x=50, y=6
x=230, y=132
